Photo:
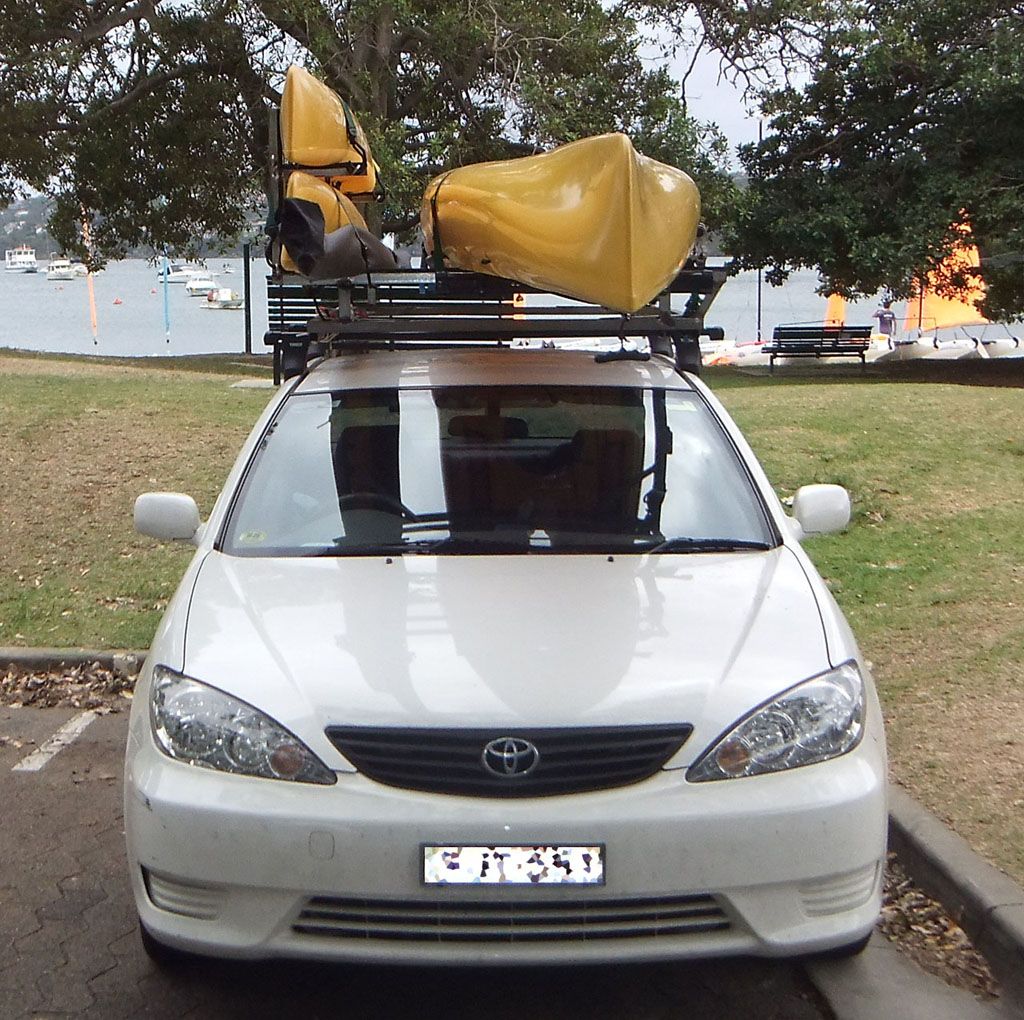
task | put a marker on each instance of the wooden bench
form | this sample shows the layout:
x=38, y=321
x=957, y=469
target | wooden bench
x=818, y=342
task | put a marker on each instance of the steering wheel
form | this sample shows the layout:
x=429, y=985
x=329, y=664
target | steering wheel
x=380, y=501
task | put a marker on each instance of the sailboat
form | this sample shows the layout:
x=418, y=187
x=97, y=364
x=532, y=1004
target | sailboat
x=936, y=327
x=835, y=310
x=961, y=316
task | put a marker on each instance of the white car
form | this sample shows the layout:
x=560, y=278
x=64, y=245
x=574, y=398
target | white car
x=493, y=656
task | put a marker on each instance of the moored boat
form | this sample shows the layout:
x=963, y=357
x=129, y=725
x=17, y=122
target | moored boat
x=221, y=298
x=200, y=284
x=60, y=269
x=176, y=272
x=20, y=259
x=593, y=220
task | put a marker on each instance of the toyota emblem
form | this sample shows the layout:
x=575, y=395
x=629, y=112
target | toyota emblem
x=510, y=756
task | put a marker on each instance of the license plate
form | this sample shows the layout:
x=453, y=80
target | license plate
x=513, y=865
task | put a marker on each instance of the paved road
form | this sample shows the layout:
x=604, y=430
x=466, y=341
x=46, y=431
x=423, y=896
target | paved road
x=69, y=942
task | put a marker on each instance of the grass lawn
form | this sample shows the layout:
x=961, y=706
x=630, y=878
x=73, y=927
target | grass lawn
x=930, y=574
x=80, y=440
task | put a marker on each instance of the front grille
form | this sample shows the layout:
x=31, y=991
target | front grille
x=569, y=760
x=448, y=921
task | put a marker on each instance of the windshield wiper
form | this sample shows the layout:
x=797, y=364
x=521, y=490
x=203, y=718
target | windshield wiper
x=683, y=544
x=421, y=547
x=456, y=544
x=374, y=549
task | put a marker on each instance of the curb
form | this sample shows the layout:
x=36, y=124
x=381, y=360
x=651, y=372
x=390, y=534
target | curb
x=987, y=904
x=123, y=663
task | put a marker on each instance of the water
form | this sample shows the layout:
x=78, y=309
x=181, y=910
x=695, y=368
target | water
x=735, y=308
x=37, y=314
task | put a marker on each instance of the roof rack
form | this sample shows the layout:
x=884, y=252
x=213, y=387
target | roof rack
x=315, y=318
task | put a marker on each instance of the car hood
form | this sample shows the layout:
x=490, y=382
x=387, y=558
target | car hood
x=505, y=641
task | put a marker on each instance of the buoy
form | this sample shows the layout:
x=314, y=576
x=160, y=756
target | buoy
x=152, y=290
x=118, y=301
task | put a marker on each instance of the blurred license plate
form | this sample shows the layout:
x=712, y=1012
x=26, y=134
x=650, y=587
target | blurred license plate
x=513, y=865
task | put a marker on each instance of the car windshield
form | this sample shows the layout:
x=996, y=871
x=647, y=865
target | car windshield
x=488, y=469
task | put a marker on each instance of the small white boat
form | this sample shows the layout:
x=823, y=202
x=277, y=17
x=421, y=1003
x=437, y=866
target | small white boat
x=21, y=259
x=200, y=284
x=60, y=269
x=80, y=268
x=223, y=298
x=176, y=272
x=748, y=354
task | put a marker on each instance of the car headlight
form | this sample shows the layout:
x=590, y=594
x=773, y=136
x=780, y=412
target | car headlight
x=818, y=719
x=200, y=725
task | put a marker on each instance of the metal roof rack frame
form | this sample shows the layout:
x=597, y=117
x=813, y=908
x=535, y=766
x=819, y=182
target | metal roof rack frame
x=311, y=319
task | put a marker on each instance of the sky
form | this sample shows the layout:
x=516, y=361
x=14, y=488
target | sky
x=711, y=97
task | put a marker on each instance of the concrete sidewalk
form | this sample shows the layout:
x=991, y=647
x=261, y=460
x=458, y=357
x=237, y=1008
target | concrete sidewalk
x=869, y=986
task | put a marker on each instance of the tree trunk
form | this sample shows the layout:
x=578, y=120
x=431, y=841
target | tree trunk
x=373, y=214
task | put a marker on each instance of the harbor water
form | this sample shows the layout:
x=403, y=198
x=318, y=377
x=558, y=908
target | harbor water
x=37, y=314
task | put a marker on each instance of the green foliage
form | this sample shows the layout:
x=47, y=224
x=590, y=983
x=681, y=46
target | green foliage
x=909, y=125
x=150, y=116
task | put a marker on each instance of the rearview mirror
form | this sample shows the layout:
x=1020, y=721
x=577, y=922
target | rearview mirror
x=821, y=509
x=167, y=516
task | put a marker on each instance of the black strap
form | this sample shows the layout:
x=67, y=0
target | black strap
x=437, y=255
x=353, y=133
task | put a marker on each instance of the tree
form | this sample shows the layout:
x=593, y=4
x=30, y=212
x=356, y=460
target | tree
x=150, y=116
x=909, y=127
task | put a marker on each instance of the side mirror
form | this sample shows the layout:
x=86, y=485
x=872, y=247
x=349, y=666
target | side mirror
x=167, y=516
x=821, y=509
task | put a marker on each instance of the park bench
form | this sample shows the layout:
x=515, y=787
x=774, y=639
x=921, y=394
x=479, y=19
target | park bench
x=818, y=342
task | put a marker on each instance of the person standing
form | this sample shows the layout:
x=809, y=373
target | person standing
x=886, y=319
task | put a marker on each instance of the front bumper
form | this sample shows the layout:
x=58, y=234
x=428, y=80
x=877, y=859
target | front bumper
x=773, y=865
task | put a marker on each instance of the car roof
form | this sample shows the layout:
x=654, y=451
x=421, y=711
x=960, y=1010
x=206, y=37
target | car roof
x=410, y=368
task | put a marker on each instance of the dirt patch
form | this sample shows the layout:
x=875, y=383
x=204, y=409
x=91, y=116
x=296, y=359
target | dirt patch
x=87, y=687
x=966, y=372
x=961, y=752
x=957, y=372
x=212, y=366
x=81, y=368
x=930, y=937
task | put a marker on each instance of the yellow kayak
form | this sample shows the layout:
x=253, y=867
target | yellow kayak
x=338, y=210
x=592, y=220
x=318, y=130
x=323, y=235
